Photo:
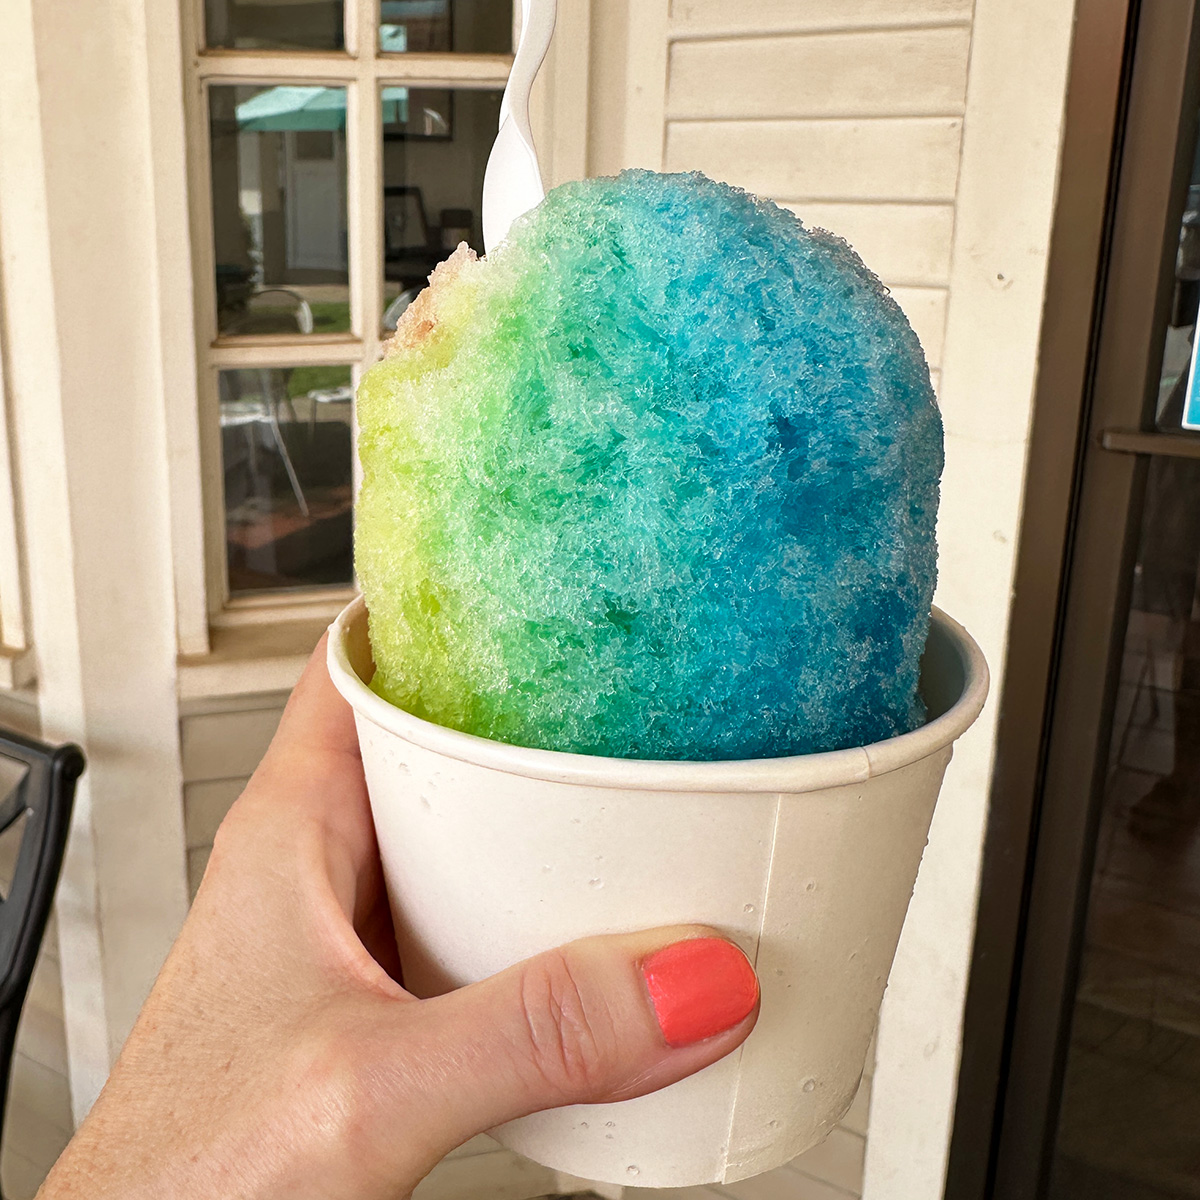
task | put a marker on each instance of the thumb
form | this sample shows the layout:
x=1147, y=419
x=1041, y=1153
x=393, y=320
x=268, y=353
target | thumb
x=602, y=1019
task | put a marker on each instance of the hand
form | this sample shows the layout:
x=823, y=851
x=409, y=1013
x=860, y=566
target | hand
x=277, y=1058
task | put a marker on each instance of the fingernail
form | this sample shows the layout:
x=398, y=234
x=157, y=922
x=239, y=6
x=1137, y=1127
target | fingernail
x=699, y=988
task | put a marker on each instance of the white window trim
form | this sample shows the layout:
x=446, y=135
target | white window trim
x=231, y=646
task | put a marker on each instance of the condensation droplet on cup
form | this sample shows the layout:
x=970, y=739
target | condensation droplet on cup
x=576, y=821
x=772, y=1124
x=748, y=908
x=546, y=869
x=610, y=1124
x=632, y=1171
x=596, y=883
x=811, y=886
x=583, y=1124
x=809, y=1085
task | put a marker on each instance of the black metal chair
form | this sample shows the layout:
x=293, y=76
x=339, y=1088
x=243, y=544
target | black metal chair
x=37, y=781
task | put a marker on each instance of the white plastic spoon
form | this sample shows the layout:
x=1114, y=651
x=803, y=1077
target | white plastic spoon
x=512, y=183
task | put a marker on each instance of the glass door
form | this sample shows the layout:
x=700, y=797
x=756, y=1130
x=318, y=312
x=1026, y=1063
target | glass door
x=1128, y=1124
x=1100, y=1085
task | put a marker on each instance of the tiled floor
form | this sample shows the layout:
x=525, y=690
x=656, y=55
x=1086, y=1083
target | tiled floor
x=1130, y=1119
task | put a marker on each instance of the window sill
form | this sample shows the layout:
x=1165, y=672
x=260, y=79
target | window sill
x=250, y=658
x=276, y=608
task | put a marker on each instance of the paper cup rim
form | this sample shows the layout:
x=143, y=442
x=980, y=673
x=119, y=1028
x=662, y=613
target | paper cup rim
x=798, y=773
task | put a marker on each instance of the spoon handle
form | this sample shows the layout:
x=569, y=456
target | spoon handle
x=512, y=183
x=537, y=28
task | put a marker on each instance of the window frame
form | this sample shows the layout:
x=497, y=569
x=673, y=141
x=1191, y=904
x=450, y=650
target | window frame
x=362, y=69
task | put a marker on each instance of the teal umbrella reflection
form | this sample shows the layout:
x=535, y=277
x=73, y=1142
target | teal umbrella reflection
x=290, y=108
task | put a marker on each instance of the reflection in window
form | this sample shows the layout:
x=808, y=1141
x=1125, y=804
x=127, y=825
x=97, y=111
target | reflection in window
x=286, y=453
x=1181, y=327
x=273, y=24
x=437, y=26
x=436, y=143
x=279, y=209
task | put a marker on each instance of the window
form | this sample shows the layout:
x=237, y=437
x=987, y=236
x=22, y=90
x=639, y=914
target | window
x=337, y=155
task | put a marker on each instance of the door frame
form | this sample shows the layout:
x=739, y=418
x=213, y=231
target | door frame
x=1115, y=235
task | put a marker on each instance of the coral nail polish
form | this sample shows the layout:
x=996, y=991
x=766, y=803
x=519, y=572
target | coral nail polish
x=699, y=988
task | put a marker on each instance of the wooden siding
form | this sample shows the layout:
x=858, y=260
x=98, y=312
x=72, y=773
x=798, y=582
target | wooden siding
x=926, y=310
x=710, y=18
x=222, y=740
x=205, y=804
x=889, y=73
x=906, y=159
x=226, y=745
x=906, y=244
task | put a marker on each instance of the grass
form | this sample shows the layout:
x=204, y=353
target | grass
x=303, y=380
x=330, y=317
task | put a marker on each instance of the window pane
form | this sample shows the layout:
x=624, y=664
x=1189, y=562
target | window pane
x=286, y=448
x=279, y=208
x=436, y=143
x=464, y=26
x=273, y=24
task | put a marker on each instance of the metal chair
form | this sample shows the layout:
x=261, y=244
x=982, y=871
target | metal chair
x=38, y=783
x=262, y=408
x=273, y=392
x=267, y=306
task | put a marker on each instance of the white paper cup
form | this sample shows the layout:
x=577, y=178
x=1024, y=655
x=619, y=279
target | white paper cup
x=494, y=853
